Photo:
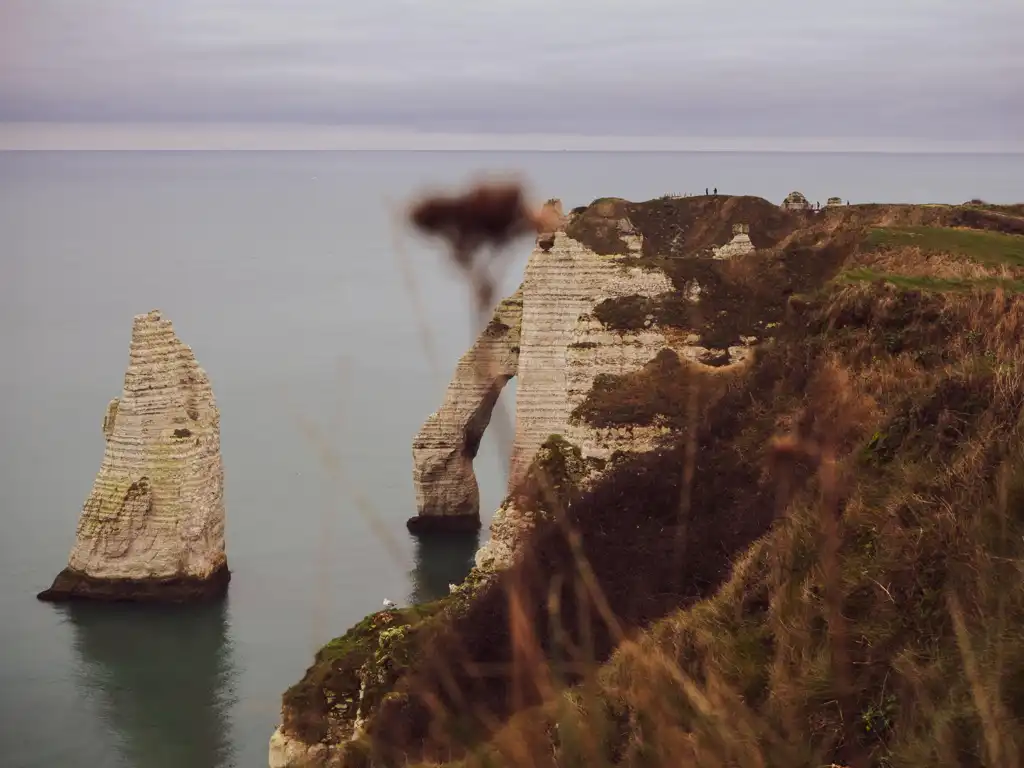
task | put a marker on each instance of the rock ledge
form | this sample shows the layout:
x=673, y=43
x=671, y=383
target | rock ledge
x=72, y=585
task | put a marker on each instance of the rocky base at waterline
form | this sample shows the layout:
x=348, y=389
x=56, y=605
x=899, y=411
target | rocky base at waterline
x=71, y=585
x=443, y=524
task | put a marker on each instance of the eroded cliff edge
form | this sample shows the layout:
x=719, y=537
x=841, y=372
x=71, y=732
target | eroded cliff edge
x=152, y=528
x=882, y=338
x=582, y=287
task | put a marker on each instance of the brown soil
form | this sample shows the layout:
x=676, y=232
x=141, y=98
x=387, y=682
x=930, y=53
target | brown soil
x=797, y=252
x=72, y=585
x=660, y=392
x=1010, y=220
x=683, y=226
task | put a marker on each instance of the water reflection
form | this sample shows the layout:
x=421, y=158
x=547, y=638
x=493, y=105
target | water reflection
x=441, y=559
x=165, y=678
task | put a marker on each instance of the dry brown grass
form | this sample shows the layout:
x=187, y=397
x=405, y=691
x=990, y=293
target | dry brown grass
x=842, y=635
x=917, y=262
x=878, y=622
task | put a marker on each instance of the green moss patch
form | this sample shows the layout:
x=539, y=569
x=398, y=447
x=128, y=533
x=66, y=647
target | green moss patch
x=352, y=673
x=935, y=284
x=984, y=247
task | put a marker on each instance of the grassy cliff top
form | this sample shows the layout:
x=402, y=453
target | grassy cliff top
x=971, y=245
x=824, y=565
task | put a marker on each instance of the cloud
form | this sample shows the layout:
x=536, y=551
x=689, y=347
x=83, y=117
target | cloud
x=933, y=69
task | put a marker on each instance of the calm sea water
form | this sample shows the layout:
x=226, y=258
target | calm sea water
x=283, y=272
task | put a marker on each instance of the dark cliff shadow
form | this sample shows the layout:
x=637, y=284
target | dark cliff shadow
x=164, y=679
x=442, y=558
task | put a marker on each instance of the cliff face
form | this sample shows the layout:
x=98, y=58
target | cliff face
x=153, y=526
x=562, y=350
x=562, y=286
x=566, y=342
x=674, y=402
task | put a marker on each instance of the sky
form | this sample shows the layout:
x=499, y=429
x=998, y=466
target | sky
x=916, y=73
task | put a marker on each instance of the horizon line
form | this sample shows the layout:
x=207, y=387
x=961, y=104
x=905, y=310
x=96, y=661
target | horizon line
x=273, y=137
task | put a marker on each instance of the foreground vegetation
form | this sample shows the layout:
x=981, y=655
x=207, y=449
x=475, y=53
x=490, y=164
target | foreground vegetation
x=880, y=621
x=822, y=565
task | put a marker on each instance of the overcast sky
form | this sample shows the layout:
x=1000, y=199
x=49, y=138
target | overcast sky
x=939, y=70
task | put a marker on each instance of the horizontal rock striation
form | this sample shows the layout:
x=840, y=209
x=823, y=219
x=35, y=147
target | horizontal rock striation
x=447, y=494
x=152, y=529
x=597, y=351
x=740, y=244
x=561, y=285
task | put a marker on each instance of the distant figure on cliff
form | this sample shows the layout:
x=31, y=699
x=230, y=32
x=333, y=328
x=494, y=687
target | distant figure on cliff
x=716, y=190
x=705, y=191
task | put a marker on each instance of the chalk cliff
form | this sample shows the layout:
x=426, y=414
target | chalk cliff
x=447, y=494
x=566, y=341
x=562, y=350
x=623, y=313
x=153, y=526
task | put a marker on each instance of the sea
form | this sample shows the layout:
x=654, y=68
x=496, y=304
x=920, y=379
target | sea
x=329, y=331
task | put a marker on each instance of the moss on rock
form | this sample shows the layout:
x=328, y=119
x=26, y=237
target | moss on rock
x=352, y=673
x=555, y=474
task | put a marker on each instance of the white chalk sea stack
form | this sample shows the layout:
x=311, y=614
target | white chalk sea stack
x=152, y=529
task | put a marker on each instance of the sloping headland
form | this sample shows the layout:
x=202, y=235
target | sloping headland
x=766, y=506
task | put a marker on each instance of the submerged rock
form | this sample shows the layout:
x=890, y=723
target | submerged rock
x=152, y=528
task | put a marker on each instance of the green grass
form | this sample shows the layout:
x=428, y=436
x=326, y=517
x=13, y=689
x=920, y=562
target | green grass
x=933, y=284
x=984, y=247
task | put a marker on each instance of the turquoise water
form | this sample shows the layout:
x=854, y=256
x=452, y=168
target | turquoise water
x=283, y=271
